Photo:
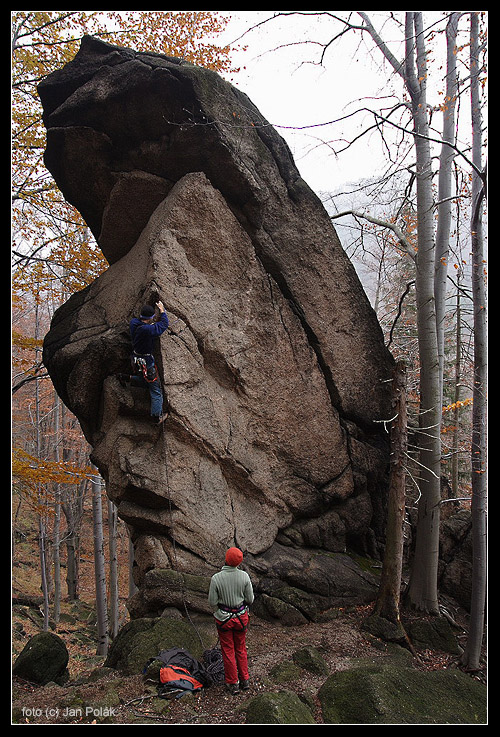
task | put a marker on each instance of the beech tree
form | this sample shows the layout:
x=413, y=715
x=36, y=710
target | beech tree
x=472, y=653
x=99, y=569
x=113, y=570
x=422, y=591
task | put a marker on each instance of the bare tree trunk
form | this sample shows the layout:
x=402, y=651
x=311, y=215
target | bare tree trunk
x=472, y=653
x=100, y=575
x=456, y=398
x=42, y=544
x=113, y=571
x=72, y=505
x=388, y=598
x=56, y=611
x=72, y=553
x=444, y=186
x=42, y=531
x=422, y=591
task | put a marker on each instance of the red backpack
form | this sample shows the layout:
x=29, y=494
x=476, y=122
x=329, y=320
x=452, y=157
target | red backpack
x=174, y=677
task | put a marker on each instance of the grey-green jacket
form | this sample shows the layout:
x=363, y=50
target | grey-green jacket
x=230, y=587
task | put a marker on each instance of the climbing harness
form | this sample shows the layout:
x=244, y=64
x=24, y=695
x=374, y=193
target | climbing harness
x=144, y=363
x=233, y=612
x=140, y=366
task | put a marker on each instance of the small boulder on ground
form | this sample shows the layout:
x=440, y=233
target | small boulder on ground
x=142, y=639
x=310, y=659
x=392, y=694
x=44, y=658
x=284, y=707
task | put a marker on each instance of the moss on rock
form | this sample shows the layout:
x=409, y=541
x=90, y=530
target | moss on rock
x=44, y=658
x=284, y=707
x=142, y=639
x=310, y=659
x=389, y=694
x=284, y=672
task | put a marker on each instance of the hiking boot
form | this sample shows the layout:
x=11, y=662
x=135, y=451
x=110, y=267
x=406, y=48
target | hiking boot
x=233, y=688
x=245, y=685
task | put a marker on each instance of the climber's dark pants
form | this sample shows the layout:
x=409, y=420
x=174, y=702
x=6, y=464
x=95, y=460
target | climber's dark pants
x=155, y=392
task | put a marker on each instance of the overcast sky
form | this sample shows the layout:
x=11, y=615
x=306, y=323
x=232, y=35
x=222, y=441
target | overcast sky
x=283, y=79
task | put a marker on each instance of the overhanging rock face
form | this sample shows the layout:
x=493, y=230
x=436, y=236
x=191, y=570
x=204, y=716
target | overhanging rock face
x=274, y=370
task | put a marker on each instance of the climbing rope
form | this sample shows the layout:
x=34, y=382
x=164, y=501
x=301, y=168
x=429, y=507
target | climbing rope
x=214, y=665
x=211, y=658
x=174, y=547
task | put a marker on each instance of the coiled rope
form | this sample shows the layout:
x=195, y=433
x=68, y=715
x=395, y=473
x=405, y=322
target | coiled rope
x=214, y=665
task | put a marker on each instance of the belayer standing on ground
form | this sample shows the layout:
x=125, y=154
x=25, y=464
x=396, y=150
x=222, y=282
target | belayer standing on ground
x=144, y=330
x=230, y=594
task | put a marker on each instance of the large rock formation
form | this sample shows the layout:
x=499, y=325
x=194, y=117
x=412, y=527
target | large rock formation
x=274, y=370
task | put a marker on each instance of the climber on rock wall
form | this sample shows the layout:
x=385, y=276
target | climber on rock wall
x=144, y=330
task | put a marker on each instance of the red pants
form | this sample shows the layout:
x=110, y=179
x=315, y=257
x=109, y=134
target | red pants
x=232, y=636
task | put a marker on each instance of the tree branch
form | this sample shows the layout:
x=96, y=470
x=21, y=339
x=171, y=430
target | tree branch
x=404, y=242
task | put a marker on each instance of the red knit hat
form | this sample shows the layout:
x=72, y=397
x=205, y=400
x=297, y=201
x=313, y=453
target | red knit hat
x=234, y=556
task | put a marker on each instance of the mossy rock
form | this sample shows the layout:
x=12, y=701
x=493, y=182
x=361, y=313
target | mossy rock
x=44, y=658
x=435, y=634
x=388, y=694
x=142, y=639
x=271, y=608
x=284, y=707
x=384, y=629
x=311, y=660
x=285, y=672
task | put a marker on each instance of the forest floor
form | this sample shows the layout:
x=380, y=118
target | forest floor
x=338, y=641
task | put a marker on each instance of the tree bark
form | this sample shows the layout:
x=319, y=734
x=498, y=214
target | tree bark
x=42, y=531
x=456, y=396
x=422, y=591
x=99, y=570
x=56, y=610
x=472, y=653
x=113, y=571
x=444, y=186
x=388, y=598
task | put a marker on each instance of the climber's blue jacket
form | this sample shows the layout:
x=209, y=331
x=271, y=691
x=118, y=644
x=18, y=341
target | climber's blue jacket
x=144, y=334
